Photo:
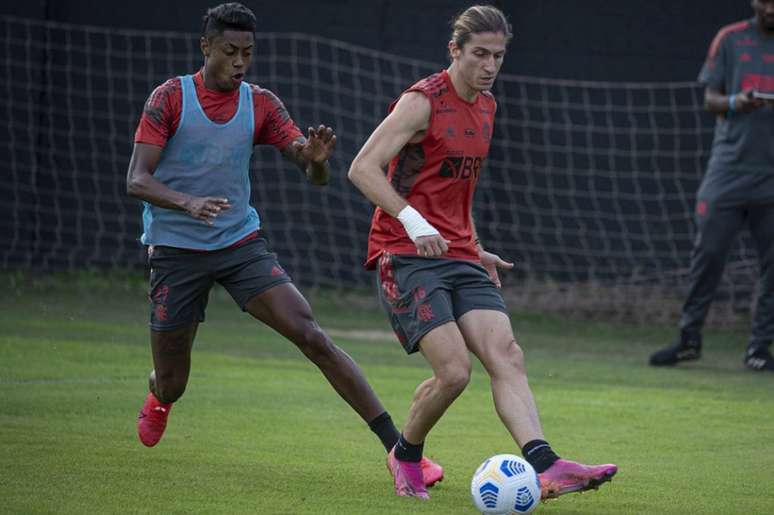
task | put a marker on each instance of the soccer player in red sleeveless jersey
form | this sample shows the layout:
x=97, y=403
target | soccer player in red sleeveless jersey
x=191, y=167
x=437, y=283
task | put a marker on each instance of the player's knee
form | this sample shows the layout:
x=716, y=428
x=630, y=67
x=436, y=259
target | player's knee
x=712, y=248
x=316, y=345
x=454, y=379
x=514, y=357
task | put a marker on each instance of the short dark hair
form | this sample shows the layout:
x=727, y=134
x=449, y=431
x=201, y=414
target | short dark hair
x=230, y=16
x=478, y=19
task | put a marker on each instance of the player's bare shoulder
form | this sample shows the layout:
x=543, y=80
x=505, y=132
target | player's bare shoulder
x=413, y=101
x=160, y=98
x=412, y=111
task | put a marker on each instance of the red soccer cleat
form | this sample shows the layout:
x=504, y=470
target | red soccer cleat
x=566, y=476
x=431, y=471
x=152, y=420
x=408, y=477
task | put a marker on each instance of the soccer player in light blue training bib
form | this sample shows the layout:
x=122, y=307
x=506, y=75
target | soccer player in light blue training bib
x=190, y=166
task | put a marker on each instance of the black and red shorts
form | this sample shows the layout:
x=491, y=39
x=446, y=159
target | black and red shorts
x=420, y=294
x=181, y=279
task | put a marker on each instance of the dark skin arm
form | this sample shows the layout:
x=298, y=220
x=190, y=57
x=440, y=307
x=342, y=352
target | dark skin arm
x=311, y=154
x=717, y=103
x=141, y=184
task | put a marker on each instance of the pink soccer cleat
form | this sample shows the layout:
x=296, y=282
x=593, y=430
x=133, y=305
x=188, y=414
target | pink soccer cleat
x=431, y=471
x=408, y=477
x=152, y=420
x=566, y=476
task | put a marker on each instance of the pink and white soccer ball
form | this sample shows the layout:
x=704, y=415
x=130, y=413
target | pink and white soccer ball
x=505, y=485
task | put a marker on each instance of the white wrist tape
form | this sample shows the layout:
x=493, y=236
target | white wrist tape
x=415, y=224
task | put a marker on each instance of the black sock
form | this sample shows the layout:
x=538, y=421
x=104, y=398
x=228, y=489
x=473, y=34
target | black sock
x=406, y=451
x=385, y=430
x=539, y=454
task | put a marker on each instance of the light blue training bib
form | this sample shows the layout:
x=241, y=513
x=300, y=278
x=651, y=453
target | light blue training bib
x=205, y=159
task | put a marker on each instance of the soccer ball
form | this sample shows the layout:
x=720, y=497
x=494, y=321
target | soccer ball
x=505, y=485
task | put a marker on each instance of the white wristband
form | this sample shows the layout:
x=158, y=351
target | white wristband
x=415, y=224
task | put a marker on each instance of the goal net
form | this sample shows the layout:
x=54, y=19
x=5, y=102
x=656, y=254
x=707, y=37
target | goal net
x=589, y=186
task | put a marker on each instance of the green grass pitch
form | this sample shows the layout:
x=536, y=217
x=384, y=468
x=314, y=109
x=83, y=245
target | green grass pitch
x=260, y=431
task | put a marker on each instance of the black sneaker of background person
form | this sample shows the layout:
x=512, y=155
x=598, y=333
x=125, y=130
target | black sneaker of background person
x=686, y=348
x=759, y=358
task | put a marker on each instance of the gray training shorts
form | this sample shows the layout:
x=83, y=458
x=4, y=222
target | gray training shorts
x=420, y=294
x=180, y=279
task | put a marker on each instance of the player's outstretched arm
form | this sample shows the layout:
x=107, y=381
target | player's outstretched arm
x=141, y=184
x=311, y=154
x=407, y=123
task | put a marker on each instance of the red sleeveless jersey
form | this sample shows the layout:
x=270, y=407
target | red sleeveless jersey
x=438, y=175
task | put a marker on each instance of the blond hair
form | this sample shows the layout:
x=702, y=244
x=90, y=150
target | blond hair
x=477, y=19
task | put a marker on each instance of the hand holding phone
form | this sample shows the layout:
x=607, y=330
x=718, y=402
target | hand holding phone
x=769, y=96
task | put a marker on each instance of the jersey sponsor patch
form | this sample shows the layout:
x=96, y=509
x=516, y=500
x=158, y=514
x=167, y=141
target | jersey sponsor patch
x=463, y=167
